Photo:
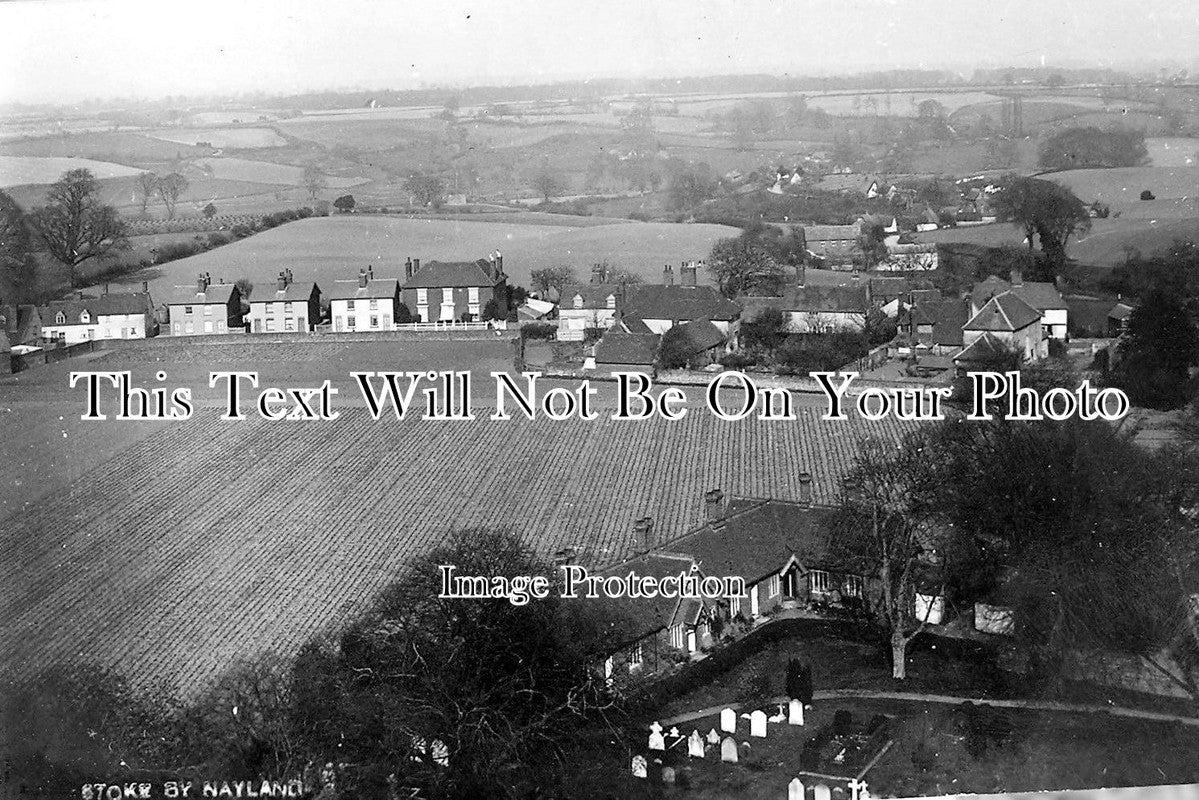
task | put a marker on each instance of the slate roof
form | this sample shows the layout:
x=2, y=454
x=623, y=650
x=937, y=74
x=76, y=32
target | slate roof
x=985, y=348
x=631, y=323
x=104, y=305
x=636, y=618
x=294, y=292
x=1041, y=295
x=812, y=299
x=595, y=295
x=680, y=303
x=757, y=537
x=1005, y=312
x=454, y=274
x=217, y=293
x=376, y=288
x=627, y=349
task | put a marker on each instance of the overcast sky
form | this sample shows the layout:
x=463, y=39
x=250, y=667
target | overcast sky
x=65, y=50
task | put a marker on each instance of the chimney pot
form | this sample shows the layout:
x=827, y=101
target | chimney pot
x=805, y=487
x=714, y=504
x=415, y=265
x=644, y=528
x=81, y=294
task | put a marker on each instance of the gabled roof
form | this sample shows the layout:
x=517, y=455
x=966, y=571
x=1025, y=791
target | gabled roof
x=631, y=323
x=96, y=307
x=595, y=295
x=20, y=324
x=1041, y=295
x=984, y=348
x=215, y=294
x=679, y=303
x=637, y=618
x=1005, y=312
x=454, y=274
x=757, y=537
x=701, y=335
x=375, y=289
x=295, y=292
x=1121, y=311
x=826, y=299
x=627, y=349
x=535, y=309
x=831, y=233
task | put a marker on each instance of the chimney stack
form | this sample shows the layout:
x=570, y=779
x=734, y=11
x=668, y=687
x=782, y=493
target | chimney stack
x=201, y=284
x=361, y=279
x=1017, y=278
x=644, y=529
x=805, y=488
x=145, y=286
x=687, y=273
x=281, y=283
x=415, y=265
x=713, y=505
x=408, y=269
x=668, y=275
x=370, y=271
x=499, y=260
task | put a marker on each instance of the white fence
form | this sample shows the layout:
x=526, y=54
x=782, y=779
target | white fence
x=453, y=325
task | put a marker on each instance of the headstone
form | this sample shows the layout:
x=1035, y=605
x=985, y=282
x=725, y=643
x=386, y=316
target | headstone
x=656, y=740
x=674, y=738
x=795, y=713
x=440, y=753
x=728, y=720
x=795, y=790
x=780, y=716
x=821, y=792
x=695, y=745
x=859, y=789
x=728, y=751
x=745, y=750
x=639, y=766
x=757, y=724
x=668, y=775
x=713, y=737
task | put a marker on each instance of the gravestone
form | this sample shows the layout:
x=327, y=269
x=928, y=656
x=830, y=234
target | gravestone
x=728, y=751
x=757, y=724
x=639, y=766
x=728, y=720
x=821, y=792
x=695, y=745
x=674, y=738
x=795, y=790
x=860, y=792
x=795, y=713
x=656, y=740
x=745, y=750
x=780, y=716
x=668, y=775
x=713, y=737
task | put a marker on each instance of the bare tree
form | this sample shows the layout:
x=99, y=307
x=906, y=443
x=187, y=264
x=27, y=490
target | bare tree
x=74, y=224
x=170, y=188
x=547, y=184
x=314, y=182
x=147, y=183
x=554, y=278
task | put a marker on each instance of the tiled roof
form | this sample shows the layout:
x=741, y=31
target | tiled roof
x=627, y=349
x=636, y=618
x=831, y=233
x=455, y=274
x=631, y=323
x=679, y=303
x=376, y=288
x=701, y=335
x=595, y=295
x=295, y=292
x=1005, y=312
x=217, y=293
x=1041, y=295
x=984, y=348
x=104, y=305
x=820, y=299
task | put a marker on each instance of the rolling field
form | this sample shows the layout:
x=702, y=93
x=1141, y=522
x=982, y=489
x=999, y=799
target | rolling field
x=22, y=170
x=1121, y=187
x=323, y=249
x=208, y=541
x=251, y=171
x=223, y=137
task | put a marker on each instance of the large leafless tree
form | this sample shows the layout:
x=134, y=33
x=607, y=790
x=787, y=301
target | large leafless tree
x=74, y=225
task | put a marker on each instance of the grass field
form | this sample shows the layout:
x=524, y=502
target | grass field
x=230, y=538
x=323, y=249
x=1122, y=187
x=20, y=170
x=222, y=137
x=251, y=171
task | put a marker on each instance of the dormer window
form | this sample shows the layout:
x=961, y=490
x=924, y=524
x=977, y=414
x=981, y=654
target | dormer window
x=611, y=301
x=578, y=301
x=85, y=317
x=60, y=318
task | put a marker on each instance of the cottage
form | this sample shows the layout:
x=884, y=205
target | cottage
x=290, y=307
x=817, y=309
x=935, y=324
x=1043, y=296
x=662, y=306
x=1009, y=320
x=205, y=308
x=109, y=316
x=591, y=306
x=364, y=304
x=449, y=291
x=838, y=244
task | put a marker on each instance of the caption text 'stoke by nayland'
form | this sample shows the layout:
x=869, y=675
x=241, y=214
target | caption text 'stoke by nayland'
x=728, y=395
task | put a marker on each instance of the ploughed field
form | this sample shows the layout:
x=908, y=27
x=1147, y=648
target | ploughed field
x=209, y=541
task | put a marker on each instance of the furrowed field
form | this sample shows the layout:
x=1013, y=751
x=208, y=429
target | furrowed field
x=206, y=541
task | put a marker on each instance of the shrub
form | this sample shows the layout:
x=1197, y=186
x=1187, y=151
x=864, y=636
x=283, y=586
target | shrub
x=736, y=361
x=241, y=231
x=218, y=238
x=1147, y=195
x=538, y=330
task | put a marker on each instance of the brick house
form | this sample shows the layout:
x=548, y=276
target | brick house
x=204, y=308
x=292, y=306
x=449, y=291
x=364, y=304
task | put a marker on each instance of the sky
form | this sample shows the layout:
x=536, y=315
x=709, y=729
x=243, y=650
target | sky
x=70, y=50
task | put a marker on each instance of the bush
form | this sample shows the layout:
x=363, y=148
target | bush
x=241, y=231
x=1147, y=195
x=218, y=238
x=736, y=361
x=538, y=330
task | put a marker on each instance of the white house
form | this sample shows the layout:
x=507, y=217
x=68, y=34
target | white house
x=364, y=304
x=1041, y=295
x=109, y=316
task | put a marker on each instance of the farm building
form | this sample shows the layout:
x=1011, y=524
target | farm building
x=290, y=307
x=454, y=290
x=702, y=342
x=1043, y=296
x=204, y=307
x=109, y=316
x=365, y=304
x=1010, y=320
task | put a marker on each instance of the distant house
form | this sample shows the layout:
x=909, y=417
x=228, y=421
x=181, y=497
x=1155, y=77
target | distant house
x=448, y=291
x=22, y=325
x=816, y=309
x=1009, y=320
x=703, y=342
x=935, y=324
x=662, y=306
x=588, y=306
x=910, y=257
x=1118, y=318
x=109, y=316
x=838, y=244
x=625, y=352
x=1042, y=296
x=291, y=307
x=1097, y=317
x=365, y=304
x=204, y=308
x=869, y=186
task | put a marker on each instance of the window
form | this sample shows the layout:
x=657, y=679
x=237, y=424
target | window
x=191, y=327
x=208, y=326
x=772, y=586
x=350, y=322
x=289, y=324
x=374, y=320
x=820, y=582
x=208, y=311
x=270, y=324
x=853, y=586
x=578, y=301
x=287, y=308
x=374, y=305
x=85, y=318
x=473, y=294
x=187, y=309
x=474, y=310
x=349, y=305
x=635, y=657
x=60, y=318
x=447, y=296
x=422, y=297
x=611, y=301
x=734, y=606
x=677, y=636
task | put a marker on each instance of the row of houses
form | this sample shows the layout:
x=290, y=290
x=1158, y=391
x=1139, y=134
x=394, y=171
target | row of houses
x=79, y=319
